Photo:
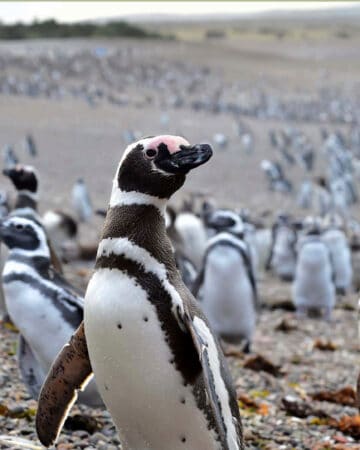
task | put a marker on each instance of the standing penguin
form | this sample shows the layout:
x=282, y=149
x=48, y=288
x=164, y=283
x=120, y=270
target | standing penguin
x=282, y=257
x=194, y=237
x=81, y=201
x=227, y=285
x=141, y=319
x=25, y=180
x=42, y=305
x=313, y=286
x=337, y=243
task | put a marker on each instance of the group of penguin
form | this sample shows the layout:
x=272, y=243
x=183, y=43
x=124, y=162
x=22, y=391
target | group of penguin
x=168, y=288
x=338, y=160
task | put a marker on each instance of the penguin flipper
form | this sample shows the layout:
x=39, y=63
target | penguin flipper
x=202, y=347
x=31, y=372
x=70, y=372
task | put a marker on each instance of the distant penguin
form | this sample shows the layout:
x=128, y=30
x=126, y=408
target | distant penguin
x=42, y=305
x=25, y=180
x=226, y=287
x=9, y=157
x=304, y=199
x=81, y=201
x=194, y=237
x=184, y=264
x=30, y=145
x=140, y=319
x=282, y=257
x=263, y=242
x=60, y=228
x=337, y=243
x=355, y=260
x=313, y=287
x=4, y=204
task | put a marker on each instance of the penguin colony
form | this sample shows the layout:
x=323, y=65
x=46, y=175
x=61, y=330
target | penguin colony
x=181, y=281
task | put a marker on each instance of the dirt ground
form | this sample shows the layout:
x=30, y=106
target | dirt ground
x=83, y=136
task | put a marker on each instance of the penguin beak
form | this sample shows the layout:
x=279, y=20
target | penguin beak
x=186, y=159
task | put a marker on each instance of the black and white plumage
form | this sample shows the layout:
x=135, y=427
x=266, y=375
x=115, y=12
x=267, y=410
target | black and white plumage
x=9, y=157
x=30, y=145
x=140, y=318
x=282, y=257
x=81, y=201
x=313, y=286
x=41, y=304
x=25, y=180
x=60, y=227
x=4, y=204
x=338, y=245
x=226, y=286
x=276, y=178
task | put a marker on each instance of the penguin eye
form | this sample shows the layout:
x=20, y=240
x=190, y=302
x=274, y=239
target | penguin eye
x=19, y=226
x=151, y=153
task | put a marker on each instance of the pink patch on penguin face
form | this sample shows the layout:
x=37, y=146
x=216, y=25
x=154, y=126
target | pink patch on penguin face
x=173, y=143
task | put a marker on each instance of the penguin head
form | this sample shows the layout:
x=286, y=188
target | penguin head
x=226, y=220
x=157, y=166
x=24, y=236
x=23, y=177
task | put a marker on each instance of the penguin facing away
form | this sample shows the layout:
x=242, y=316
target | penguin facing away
x=140, y=318
x=42, y=305
x=313, y=286
x=227, y=284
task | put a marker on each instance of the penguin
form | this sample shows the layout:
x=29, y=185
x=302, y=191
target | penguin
x=226, y=286
x=193, y=234
x=60, y=228
x=355, y=260
x=9, y=156
x=183, y=263
x=81, y=201
x=140, y=319
x=41, y=304
x=25, y=180
x=30, y=145
x=282, y=257
x=338, y=245
x=304, y=199
x=313, y=286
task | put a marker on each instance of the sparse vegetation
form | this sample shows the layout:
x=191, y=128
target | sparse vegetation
x=54, y=29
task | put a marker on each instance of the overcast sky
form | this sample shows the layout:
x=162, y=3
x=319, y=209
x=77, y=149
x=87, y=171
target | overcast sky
x=74, y=11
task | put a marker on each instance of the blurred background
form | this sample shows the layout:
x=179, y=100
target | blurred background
x=275, y=88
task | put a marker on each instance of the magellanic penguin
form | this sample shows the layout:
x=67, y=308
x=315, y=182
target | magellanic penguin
x=282, y=257
x=41, y=304
x=313, y=286
x=226, y=286
x=25, y=180
x=157, y=364
x=81, y=201
x=184, y=264
x=337, y=242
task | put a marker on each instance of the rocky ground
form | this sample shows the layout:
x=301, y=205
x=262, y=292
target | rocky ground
x=81, y=100
x=295, y=390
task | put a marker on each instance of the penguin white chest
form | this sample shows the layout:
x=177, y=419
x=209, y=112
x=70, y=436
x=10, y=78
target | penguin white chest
x=148, y=400
x=38, y=320
x=227, y=295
